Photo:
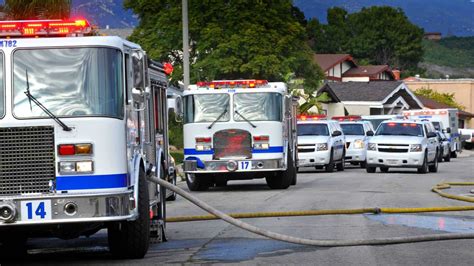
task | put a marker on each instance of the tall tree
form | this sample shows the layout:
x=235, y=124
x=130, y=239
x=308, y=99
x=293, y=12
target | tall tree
x=36, y=9
x=229, y=40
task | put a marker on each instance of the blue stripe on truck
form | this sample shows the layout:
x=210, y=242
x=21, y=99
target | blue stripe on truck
x=76, y=182
x=274, y=149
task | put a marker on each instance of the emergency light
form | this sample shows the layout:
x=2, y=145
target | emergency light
x=29, y=28
x=232, y=83
x=311, y=117
x=347, y=118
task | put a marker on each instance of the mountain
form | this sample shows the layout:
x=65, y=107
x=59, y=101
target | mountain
x=450, y=17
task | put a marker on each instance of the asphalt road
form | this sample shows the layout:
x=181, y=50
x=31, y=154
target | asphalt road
x=218, y=242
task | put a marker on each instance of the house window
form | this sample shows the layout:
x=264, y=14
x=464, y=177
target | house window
x=375, y=111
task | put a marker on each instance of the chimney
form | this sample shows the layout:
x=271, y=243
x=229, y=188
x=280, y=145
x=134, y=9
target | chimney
x=396, y=74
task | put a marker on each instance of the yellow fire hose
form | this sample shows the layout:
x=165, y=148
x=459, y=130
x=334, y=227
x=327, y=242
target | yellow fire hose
x=312, y=242
x=437, y=189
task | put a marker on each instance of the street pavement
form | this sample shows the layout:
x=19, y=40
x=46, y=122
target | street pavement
x=218, y=242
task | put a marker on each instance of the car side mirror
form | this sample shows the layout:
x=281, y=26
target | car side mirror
x=448, y=130
x=370, y=133
x=431, y=135
x=336, y=133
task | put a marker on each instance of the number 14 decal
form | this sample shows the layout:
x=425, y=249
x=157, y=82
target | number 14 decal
x=36, y=210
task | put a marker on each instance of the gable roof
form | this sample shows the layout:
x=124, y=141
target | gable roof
x=327, y=61
x=364, y=71
x=362, y=91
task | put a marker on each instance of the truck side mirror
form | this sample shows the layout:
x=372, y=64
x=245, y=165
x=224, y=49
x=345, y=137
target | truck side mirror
x=370, y=133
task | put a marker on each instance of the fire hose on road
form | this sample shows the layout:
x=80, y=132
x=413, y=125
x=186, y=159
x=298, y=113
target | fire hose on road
x=330, y=243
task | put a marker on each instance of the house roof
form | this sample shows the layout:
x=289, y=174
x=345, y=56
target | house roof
x=362, y=91
x=364, y=71
x=432, y=104
x=327, y=61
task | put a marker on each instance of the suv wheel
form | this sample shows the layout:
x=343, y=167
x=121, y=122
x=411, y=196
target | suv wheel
x=330, y=166
x=434, y=167
x=370, y=169
x=448, y=157
x=423, y=169
x=384, y=169
x=440, y=155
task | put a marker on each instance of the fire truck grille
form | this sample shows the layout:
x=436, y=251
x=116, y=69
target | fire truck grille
x=232, y=143
x=27, y=162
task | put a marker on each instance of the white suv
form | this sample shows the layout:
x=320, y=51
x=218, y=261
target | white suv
x=357, y=135
x=320, y=144
x=403, y=143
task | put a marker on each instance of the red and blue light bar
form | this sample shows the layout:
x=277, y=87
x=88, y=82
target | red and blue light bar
x=251, y=83
x=311, y=117
x=29, y=28
x=347, y=118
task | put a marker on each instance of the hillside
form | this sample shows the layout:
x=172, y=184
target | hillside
x=452, y=56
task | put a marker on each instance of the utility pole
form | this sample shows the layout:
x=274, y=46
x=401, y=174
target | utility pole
x=185, y=45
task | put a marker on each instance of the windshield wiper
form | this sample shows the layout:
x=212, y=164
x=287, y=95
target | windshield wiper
x=32, y=98
x=246, y=120
x=217, y=119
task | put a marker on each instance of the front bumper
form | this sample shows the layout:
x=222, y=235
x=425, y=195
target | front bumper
x=398, y=160
x=356, y=155
x=72, y=208
x=231, y=165
x=317, y=158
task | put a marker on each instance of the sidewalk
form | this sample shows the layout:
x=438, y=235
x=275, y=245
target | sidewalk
x=466, y=153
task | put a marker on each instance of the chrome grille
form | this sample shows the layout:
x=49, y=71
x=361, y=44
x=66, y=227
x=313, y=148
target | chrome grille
x=27, y=162
x=232, y=143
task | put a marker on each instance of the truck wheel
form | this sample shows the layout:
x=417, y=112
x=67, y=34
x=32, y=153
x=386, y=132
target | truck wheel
x=370, y=169
x=197, y=182
x=220, y=180
x=283, y=179
x=131, y=239
x=173, y=195
x=434, y=167
x=423, y=169
x=384, y=169
x=330, y=166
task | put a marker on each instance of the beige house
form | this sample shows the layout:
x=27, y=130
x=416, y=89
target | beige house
x=463, y=90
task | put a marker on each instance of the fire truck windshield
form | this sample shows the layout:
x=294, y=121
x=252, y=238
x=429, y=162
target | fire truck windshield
x=262, y=106
x=70, y=82
x=206, y=108
x=2, y=89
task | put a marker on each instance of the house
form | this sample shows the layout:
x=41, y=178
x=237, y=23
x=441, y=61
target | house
x=342, y=67
x=371, y=98
x=463, y=90
x=435, y=36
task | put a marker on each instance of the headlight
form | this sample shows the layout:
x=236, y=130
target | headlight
x=73, y=167
x=372, y=147
x=416, y=148
x=322, y=147
x=358, y=144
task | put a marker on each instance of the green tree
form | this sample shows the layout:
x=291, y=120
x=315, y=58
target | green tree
x=36, y=9
x=229, y=40
x=446, y=98
x=375, y=35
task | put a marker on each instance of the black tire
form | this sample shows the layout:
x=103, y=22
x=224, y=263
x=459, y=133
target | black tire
x=197, y=182
x=440, y=156
x=433, y=168
x=370, y=169
x=319, y=167
x=363, y=164
x=330, y=166
x=283, y=179
x=220, y=181
x=340, y=166
x=423, y=169
x=448, y=157
x=384, y=169
x=454, y=154
x=131, y=240
x=173, y=195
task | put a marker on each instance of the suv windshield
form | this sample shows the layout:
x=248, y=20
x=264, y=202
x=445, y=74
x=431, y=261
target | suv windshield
x=2, y=88
x=312, y=130
x=400, y=129
x=264, y=106
x=353, y=129
x=206, y=108
x=68, y=82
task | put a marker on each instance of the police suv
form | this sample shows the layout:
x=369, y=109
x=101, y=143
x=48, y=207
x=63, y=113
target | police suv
x=405, y=144
x=321, y=143
x=357, y=134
